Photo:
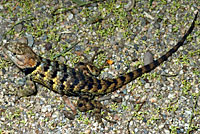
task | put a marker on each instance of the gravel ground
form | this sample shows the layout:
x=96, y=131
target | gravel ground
x=164, y=101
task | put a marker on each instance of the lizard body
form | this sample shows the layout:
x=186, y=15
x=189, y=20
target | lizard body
x=64, y=80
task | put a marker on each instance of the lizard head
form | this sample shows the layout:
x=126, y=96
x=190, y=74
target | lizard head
x=20, y=54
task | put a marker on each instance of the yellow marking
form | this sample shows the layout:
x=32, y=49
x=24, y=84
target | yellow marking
x=55, y=86
x=45, y=78
x=85, y=89
x=101, y=90
x=65, y=84
x=38, y=76
x=38, y=69
x=55, y=80
x=34, y=72
x=47, y=74
x=104, y=86
x=77, y=87
x=103, y=82
x=94, y=89
x=110, y=88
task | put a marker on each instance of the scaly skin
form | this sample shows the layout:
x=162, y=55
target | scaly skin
x=64, y=80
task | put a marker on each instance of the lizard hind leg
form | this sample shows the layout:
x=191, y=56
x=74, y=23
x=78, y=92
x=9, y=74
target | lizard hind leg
x=85, y=104
x=88, y=66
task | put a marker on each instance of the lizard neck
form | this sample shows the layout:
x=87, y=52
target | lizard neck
x=29, y=70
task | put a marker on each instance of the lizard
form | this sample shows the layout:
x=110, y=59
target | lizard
x=69, y=81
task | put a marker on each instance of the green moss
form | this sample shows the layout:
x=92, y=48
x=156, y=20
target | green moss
x=31, y=113
x=4, y=63
x=114, y=106
x=172, y=107
x=186, y=87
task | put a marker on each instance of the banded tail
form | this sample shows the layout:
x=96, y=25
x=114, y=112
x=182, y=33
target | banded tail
x=114, y=84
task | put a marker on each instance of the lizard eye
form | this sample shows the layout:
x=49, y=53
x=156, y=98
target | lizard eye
x=80, y=104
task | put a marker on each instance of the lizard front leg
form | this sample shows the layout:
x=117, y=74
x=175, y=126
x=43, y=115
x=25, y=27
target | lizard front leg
x=28, y=89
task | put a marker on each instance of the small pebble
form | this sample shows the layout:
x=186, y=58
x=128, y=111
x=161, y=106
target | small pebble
x=30, y=40
x=18, y=28
x=1, y=7
x=70, y=16
x=148, y=58
x=147, y=85
x=153, y=100
x=166, y=131
x=55, y=114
